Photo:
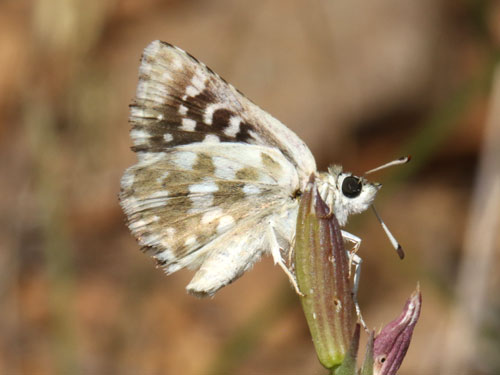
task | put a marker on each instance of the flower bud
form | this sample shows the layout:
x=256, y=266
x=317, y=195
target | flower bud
x=322, y=270
x=392, y=342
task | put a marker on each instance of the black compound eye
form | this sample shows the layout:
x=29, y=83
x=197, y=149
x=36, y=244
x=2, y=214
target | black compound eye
x=351, y=187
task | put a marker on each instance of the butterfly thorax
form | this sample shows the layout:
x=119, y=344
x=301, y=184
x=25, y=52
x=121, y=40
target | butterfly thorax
x=344, y=193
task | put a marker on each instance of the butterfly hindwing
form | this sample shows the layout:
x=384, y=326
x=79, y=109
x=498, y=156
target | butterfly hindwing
x=182, y=201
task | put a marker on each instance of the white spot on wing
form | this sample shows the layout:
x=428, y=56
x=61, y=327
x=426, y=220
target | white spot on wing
x=210, y=216
x=168, y=137
x=177, y=62
x=251, y=189
x=192, y=91
x=188, y=124
x=234, y=126
x=139, y=134
x=225, y=222
x=204, y=188
x=184, y=159
x=225, y=169
x=198, y=80
x=211, y=138
x=183, y=110
x=197, y=83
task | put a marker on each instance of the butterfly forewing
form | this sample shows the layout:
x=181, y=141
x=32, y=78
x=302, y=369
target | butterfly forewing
x=180, y=101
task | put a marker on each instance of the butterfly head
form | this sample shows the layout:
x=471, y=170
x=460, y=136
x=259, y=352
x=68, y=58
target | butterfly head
x=345, y=193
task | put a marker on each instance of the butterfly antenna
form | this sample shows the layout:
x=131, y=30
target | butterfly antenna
x=402, y=160
x=394, y=243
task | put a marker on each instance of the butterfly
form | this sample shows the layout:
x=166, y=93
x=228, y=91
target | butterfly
x=218, y=180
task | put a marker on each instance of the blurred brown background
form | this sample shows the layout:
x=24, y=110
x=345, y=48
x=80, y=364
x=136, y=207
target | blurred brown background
x=361, y=82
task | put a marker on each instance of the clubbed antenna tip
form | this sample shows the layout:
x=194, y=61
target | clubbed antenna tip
x=401, y=160
x=394, y=243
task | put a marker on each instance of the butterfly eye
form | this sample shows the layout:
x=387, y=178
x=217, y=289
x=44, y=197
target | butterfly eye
x=351, y=187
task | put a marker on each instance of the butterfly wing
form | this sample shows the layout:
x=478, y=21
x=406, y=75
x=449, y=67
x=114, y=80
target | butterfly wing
x=214, y=171
x=209, y=205
x=181, y=101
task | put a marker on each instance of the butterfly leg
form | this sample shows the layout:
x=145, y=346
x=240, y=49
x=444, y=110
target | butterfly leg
x=355, y=260
x=276, y=254
x=356, y=241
